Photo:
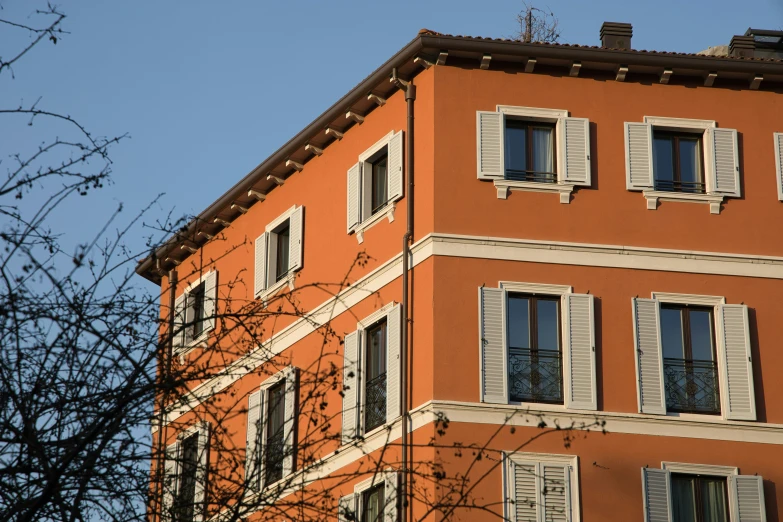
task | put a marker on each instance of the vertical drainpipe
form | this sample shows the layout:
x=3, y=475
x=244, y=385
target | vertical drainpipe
x=166, y=355
x=407, y=239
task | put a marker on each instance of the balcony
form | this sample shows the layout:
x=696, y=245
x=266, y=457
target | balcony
x=691, y=386
x=375, y=409
x=535, y=375
x=274, y=454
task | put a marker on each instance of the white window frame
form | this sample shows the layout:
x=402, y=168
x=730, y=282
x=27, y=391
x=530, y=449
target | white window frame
x=183, y=349
x=547, y=116
x=382, y=477
x=542, y=458
x=270, y=262
x=696, y=127
x=362, y=327
x=387, y=211
x=700, y=469
x=702, y=301
x=197, y=429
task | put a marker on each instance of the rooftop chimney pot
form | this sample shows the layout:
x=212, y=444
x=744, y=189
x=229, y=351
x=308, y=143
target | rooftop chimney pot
x=615, y=35
x=742, y=46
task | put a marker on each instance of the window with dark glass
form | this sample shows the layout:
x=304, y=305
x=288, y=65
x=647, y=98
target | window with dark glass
x=375, y=372
x=698, y=499
x=689, y=359
x=282, y=238
x=678, y=163
x=535, y=361
x=373, y=504
x=380, y=181
x=530, y=151
x=184, y=505
x=274, y=450
x=196, y=304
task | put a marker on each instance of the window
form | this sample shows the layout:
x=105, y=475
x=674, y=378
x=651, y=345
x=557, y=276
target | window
x=374, y=184
x=530, y=151
x=779, y=162
x=372, y=500
x=675, y=159
x=195, y=312
x=689, y=359
x=537, y=344
x=679, y=340
x=185, y=476
x=541, y=487
x=678, y=162
x=278, y=252
x=375, y=384
x=271, y=430
x=701, y=493
x=535, y=362
x=371, y=373
x=533, y=149
x=698, y=499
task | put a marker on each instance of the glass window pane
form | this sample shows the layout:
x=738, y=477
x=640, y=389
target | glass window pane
x=671, y=333
x=376, y=350
x=518, y=322
x=683, y=499
x=516, y=146
x=701, y=335
x=283, y=238
x=690, y=161
x=373, y=505
x=664, y=159
x=187, y=489
x=543, y=154
x=548, y=333
x=379, y=183
x=713, y=500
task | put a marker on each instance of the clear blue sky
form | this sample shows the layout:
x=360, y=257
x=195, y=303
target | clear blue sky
x=207, y=90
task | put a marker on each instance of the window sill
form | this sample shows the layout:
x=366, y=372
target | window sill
x=275, y=288
x=564, y=189
x=713, y=200
x=384, y=212
x=198, y=342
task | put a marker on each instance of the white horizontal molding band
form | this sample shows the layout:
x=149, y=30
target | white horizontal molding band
x=609, y=256
x=452, y=245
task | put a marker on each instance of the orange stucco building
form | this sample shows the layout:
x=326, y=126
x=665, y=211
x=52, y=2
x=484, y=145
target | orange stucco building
x=592, y=246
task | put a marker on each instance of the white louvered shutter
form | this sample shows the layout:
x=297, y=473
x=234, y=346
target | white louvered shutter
x=391, y=498
x=252, y=448
x=200, y=497
x=656, y=491
x=354, y=196
x=260, y=263
x=489, y=137
x=210, y=300
x=170, y=474
x=747, y=498
x=638, y=156
x=179, y=322
x=649, y=356
x=291, y=376
x=779, y=162
x=524, y=492
x=576, y=151
x=346, y=508
x=579, y=353
x=737, y=368
x=393, y=351
x=395, y=167
x=725, y=161
x=296, y=239
x=350, y=416
x=492, y=343
x=555, y=492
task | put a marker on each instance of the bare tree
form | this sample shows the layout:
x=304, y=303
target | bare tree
x=537, y=25
x=90, y=365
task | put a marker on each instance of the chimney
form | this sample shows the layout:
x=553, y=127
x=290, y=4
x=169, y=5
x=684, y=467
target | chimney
x=616, y=35
x=742, y=46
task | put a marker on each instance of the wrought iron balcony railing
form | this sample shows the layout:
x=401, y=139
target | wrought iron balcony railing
x=375, y=403
x=691, y=386
x=535, y=375
x=274, y=453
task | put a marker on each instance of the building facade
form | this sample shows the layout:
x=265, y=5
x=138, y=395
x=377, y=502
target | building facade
x=584, y=320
